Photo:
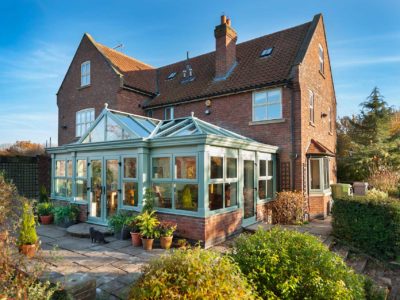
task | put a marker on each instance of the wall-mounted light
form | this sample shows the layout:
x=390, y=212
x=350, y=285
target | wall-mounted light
x=208, y=103
x=207, y=111
x=324, y=115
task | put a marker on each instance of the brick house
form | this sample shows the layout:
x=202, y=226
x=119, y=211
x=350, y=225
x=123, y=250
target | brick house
x=276, y=89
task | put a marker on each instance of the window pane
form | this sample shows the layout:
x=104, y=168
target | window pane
x=59, y=188
x=231, y=164
x=163, y=195
x=274, y=96
x=263, y=167
x=262, y=189
x=270, y=168
x=97, y=134
x=113, y=131
x=260, y=113
x=69, y=168
x=260, y=98
x=315, y=179
x=215, y=197
x=217, y=167
x=326, y=173
x=69, y=188
x=274, y=111
x=230, y=194
x=130, y=196
x=185, y=167
x=186, y=196
x=81, y=189
x=81, y=168
x=130, y=167
x=161, y=167
x=270, y=188
x=60, y=168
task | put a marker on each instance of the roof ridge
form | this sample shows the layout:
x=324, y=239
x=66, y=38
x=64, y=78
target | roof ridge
x=123, y=54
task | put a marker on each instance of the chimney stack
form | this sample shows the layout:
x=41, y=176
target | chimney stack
x=225, y=44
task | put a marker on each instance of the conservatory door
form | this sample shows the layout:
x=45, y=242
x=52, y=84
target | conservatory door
x=249, y=205
x=111, y=187
x=96, y=190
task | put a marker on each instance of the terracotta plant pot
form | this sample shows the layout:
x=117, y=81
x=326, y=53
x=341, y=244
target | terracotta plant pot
x=166, y=242
x=46, y=220
x=28, y=250
x=136, y=239
x=147, y=244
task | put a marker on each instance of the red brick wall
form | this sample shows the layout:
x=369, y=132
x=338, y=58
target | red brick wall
x=319, y=206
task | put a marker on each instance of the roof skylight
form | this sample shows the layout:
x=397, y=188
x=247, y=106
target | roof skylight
x=171, y=76
x=266, y=52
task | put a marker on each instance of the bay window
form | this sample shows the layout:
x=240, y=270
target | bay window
x=319, y=174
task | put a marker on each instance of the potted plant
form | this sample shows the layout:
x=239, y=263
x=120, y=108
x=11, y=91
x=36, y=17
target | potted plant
x=66, y=216
x=148, y=223
x=116, y=223
x=45, y=212
x=132, y=224
x=166, y=230
x=182, y=244
x=27, y=240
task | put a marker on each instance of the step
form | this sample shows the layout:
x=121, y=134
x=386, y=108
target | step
x=357, y=262
x=342, y=251
x=329, y=242
x=82, y=230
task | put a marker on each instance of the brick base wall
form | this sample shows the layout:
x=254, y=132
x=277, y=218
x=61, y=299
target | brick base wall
x=319, y=206
x=264, y=212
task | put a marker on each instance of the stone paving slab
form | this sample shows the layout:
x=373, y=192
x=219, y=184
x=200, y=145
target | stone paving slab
x=82, y=230
x=73, y=244
x=118, y=244
x=51, y=231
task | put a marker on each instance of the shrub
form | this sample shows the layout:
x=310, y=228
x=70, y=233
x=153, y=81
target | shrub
x=65, y=213
x=376, y=194
x=27, y=233
x=192, y=274
x=167, y=229
x=117, y=221
x=288, y=208
x=45, y=209
x=10, y=204
x=149, y=200
x=387, y=181
x=369, y=223
x=285, y=264
x=43, y=196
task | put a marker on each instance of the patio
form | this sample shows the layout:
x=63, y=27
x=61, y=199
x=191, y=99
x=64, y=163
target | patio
x=115, y=265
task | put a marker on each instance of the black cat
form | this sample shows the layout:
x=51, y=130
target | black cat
x=97, y=236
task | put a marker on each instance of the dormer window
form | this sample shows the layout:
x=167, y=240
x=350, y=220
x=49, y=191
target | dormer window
x=171, y=76
x=321, y=58
x=266, y=52
x=85, y=73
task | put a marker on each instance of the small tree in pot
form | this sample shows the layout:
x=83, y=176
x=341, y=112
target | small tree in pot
x=28, y=238
x=45, y=212
x=148, y=223
x=166, y=230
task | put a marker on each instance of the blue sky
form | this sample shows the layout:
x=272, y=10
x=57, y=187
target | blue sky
x=39, y=38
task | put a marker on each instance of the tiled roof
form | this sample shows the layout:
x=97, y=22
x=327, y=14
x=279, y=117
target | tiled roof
x=251, y=70
x=316, y=148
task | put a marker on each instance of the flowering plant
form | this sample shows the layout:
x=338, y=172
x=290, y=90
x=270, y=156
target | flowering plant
x=167, y=228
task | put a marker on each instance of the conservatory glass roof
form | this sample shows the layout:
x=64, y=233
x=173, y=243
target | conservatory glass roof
x=112, y=125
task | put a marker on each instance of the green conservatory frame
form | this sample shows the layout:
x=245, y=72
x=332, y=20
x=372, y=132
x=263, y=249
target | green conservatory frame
x=187, y=141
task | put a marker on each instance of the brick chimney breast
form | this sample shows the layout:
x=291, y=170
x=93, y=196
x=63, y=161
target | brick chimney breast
x=225, y=49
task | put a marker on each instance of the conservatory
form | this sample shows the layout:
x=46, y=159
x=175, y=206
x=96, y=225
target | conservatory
x=209, y=180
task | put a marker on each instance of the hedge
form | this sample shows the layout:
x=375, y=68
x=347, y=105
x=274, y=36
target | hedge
x=368, y=223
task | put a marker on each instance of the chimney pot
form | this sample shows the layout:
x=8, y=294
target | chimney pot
x=228, y=22
x=223, y=19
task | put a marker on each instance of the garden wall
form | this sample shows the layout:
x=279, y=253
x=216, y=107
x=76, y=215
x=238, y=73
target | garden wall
x=27, y=173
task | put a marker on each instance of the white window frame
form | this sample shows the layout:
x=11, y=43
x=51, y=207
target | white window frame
x=82, y=126
x=267, y=177
x=322, y=161
x=169, y=113
x=321, y=58
x=81, y=178
x=85, y=73
x=254, y=105
x=311, y=106
x=125, y=180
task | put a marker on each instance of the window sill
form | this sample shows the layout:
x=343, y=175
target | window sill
x=322, y=74
x=320, y=193
x=262, y=201
x=221, y=211
x=84, y=87
x=267, y=122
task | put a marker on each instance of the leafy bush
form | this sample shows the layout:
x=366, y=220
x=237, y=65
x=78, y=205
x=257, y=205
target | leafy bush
x=369, y=223
x=9, y=203
x=376, y=194
x=45, y=209
x=43, y=195
x=117, y=221
x=285, y=264
x=387, y=181
x=147, y=223
x=289, y=208
x=167, y=229
x=149, y=200
x=192, y=274
x=27, y=233
x=65, y=213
